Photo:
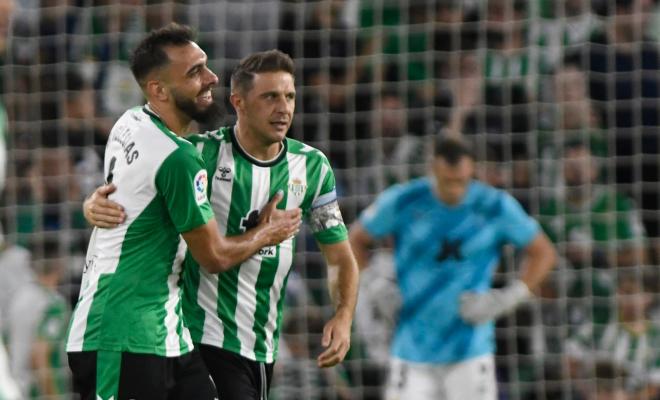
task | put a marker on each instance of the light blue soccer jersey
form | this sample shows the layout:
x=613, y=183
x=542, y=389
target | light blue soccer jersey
x=440, y=252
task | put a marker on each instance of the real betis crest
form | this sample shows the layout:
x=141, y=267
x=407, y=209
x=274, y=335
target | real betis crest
x=297, y=188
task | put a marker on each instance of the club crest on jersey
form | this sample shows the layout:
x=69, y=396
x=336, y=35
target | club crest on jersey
x=200, y=182
x=224, y=174
x=297, y=188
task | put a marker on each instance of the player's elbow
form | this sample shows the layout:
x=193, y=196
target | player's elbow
x=217, y=264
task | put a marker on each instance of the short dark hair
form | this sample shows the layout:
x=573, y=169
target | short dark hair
x=265, y=61
x=451, y=150
x=150, y=54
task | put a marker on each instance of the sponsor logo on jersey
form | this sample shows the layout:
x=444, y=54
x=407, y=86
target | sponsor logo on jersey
x=269, y=251
x=224, y=174
x=200, y=182
x=297, y=188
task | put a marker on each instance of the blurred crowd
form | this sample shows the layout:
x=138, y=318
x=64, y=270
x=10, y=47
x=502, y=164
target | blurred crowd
x=559, y=98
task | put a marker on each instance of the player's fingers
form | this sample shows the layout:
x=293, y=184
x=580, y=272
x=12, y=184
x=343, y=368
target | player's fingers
x=105, y=190
x=269, y=208
x=110, y=204
x=327, y=335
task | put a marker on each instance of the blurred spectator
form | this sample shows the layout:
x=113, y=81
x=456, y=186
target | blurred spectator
x=38, y=319
x=8, y=386
x=15, y=271
x=630, y=340
x=608, y=384
x=74, y=124
x=116, y=28
x=570, y=118
x=563, y=25
x=50, y=32
x=582, y=220
x=509, y=70
x=323, y=42
x=595, y=229
x=53, y=199
x=622, y=63
x=393, y=155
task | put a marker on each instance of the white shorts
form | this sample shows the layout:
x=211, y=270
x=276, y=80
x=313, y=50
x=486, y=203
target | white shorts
x=473, y=379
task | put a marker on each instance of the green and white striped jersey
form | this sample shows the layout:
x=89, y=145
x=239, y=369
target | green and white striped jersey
x=130, y=298
x=241, y=310
x=638, y=354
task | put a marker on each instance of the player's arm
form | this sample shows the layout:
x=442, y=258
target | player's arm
x=343, y=279
x=539, y=257
x=217, y=253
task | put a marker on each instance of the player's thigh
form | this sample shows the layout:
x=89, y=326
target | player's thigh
x=471, y=379
x=235, y=377
x=411, y=381
x=192, y=379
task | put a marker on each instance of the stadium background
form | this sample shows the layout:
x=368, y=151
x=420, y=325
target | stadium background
x=527, y=82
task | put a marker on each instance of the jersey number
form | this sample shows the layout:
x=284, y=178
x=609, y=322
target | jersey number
x=111, y=168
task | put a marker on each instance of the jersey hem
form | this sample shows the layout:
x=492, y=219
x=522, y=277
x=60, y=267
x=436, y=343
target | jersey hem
x=95, y=346
x=272, y=356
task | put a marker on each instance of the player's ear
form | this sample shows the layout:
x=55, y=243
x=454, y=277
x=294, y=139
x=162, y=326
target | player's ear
x=237, y=101
x=156, y=90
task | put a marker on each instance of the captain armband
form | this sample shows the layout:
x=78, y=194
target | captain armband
x=325, y=217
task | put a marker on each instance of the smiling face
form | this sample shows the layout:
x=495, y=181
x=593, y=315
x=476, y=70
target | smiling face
x=189, y=82
x=266, y=107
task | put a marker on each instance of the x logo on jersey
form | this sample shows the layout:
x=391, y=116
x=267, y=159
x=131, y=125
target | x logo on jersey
x=450, y=249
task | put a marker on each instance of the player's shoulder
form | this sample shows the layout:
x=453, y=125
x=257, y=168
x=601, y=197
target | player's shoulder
x=297, y=147
x=488, y=200
x=216, y=136
x=139, y=125
x=409, y=192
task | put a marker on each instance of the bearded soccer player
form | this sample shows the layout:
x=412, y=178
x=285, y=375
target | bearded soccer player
x=236, y=315
x=127, y=338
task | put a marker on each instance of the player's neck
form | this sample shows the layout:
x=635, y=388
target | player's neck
x=253, y=146
x=173, y=119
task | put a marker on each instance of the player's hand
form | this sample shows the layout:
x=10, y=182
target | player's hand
x=336, y=340
x=101, y=212
x=275, y=225
x=479, y=308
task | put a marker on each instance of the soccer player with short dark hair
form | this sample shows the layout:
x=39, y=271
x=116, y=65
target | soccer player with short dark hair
x=448, y=231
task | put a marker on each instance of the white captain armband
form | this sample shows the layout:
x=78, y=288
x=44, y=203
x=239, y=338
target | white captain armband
x=325, y=217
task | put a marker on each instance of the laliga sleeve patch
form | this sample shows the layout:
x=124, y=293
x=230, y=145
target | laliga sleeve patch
x=200, y=182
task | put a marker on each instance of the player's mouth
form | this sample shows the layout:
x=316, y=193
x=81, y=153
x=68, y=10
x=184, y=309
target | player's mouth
x=280, y=125
x=205, y=98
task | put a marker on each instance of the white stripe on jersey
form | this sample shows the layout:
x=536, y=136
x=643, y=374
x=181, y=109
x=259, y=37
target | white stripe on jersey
x=172, y=348
x=88, y=287
x=249, y=270
x=324, y=172
x=297, y=172
x=207, y=294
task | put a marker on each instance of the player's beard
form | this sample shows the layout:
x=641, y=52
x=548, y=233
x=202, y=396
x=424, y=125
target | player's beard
x=211, y=115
